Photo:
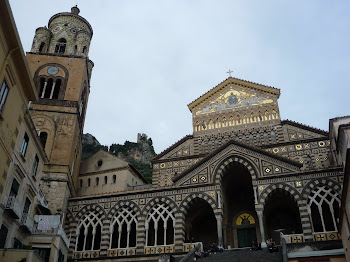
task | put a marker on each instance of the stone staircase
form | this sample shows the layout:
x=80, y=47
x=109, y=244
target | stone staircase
x=243, y=255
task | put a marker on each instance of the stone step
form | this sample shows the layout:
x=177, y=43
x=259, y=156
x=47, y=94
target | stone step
x=244, y=255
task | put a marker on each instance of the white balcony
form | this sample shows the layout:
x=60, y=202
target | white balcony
x=52, y=230
x=27, y=222
x=13, y=207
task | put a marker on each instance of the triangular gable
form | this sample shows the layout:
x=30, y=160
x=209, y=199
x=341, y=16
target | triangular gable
x=297, y=131
x=234, y=92
x=180, y=147
x=266, y=164
x=103, y=161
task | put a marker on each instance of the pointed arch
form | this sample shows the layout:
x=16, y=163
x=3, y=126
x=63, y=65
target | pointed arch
x=89, y=232
x=159, y=216
x=251, y=167
x=184, y=206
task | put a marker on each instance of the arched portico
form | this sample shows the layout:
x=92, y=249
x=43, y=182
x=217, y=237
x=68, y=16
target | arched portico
x=200, y=222
x=281, y=214
x=236, y=175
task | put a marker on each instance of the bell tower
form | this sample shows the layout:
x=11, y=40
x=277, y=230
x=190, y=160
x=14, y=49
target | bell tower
x=61, y=70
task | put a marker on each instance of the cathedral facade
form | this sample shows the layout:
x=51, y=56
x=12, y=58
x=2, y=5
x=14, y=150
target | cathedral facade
x=243, y=175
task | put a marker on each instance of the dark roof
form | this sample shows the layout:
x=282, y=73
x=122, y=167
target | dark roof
x=303, y=126
x=234, y=142
x=156, y=157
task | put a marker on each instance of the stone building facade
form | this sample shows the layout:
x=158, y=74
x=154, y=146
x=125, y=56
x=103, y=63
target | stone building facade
x=243, y=174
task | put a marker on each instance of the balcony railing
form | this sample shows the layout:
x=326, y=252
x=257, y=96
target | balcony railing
x=58, y=231
x=27, y=222
x=13, y=207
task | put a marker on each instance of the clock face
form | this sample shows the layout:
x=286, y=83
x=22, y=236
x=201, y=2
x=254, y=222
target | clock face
x=52, y=70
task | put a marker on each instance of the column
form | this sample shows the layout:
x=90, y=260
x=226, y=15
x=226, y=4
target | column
x=44, y=89
x=224, y=227
x=52, y=89
x=219, y=228
x=261, y=226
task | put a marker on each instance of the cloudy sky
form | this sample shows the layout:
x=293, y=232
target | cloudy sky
x=154, y=57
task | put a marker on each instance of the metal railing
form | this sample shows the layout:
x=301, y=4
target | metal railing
x=27, y=222
x=59, y=231
x=13, y=205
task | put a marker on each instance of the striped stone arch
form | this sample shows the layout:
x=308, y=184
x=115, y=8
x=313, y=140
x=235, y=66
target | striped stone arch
x=304, y=216
x=120, y=204
x=94, y=207
x=158, y=200
x=184, y=206
x=320, y=182
x=281, y=186
x=218, y=173
x=75, y=221
x=68, y=220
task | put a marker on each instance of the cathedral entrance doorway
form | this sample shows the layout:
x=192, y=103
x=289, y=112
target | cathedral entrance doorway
x=281, y=213
x=200, y=223
x=239, y=221
x=246, y=232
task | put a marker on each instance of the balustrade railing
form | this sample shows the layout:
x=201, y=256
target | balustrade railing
x=13, y=206
x=59, y=231
x=27, y=222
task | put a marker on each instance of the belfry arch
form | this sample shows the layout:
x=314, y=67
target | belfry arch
x=236, y=176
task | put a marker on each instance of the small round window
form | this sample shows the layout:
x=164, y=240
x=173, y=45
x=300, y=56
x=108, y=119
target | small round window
x=99, y=163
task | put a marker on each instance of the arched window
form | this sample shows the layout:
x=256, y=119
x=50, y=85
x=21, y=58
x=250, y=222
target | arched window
x=41, y=48
x=216, y=143
x=75, y=49
x=323, y=205
x=251, y=138
x=211, y=124
x=47, y=89
x=267, y=115
x=89, y=233
x=61, y=46
x=273, y=136
x=252, y=118
x=260, y=117
x=245, y=119
x=43, y=138
x=204, y=125
x=84, y=49
x=114, y=179
x=258, y=137
x=56, y=89
x=123, y=229
x=266, y=138
x=238, y=120
x=160, y=223
x=106, y=179
x=203, y=146
x=217, y=123
x=197, y=128
x=274, y=115
x=224, y=122
x=81, y=183
x=89, y=182
x=97, y=181
x=232, y=121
